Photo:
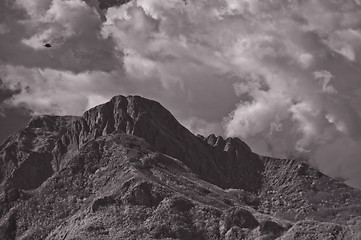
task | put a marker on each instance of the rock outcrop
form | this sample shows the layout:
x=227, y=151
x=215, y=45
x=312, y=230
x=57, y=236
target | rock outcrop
x=127, y=169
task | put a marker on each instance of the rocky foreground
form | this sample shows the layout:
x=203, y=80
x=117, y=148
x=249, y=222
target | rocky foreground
x=128, y=170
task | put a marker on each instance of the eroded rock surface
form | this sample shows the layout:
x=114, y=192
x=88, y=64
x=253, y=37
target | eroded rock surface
x=127, y=169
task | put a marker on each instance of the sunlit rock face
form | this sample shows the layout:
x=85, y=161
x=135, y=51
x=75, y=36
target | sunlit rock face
x=127, y=169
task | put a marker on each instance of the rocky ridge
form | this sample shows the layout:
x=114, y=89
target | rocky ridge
x=127, y=169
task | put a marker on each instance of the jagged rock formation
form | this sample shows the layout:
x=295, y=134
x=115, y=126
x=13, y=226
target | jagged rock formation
x=127, y=169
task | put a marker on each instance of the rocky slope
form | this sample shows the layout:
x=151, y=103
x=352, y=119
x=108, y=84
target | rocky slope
x=128, y=170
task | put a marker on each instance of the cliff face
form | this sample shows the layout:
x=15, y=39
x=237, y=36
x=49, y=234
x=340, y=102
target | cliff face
x=213, y=159
x=127, y=169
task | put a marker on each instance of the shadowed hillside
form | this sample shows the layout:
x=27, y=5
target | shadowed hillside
x=127, y=169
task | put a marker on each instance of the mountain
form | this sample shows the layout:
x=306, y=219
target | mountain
x=127, y=169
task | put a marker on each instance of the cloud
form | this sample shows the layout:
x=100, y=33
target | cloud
x=49, y=91
x=307, y=105
x=282, y=75
x=70, y=26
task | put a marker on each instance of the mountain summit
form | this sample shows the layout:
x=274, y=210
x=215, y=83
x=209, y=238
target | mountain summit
x=127, y=169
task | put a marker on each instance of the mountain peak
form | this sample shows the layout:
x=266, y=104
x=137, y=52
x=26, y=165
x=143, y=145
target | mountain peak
x=151, y=121
x=122, y=113
x=131, y=153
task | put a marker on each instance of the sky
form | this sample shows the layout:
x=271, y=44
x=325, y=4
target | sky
x=282, y=75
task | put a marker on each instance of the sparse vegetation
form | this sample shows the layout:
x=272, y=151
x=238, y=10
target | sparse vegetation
x=125, y=176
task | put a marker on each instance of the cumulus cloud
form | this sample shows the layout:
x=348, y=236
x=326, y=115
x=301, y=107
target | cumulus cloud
x=282, y=75
x=56, y=92
x=281, y=57
x=70, y=26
